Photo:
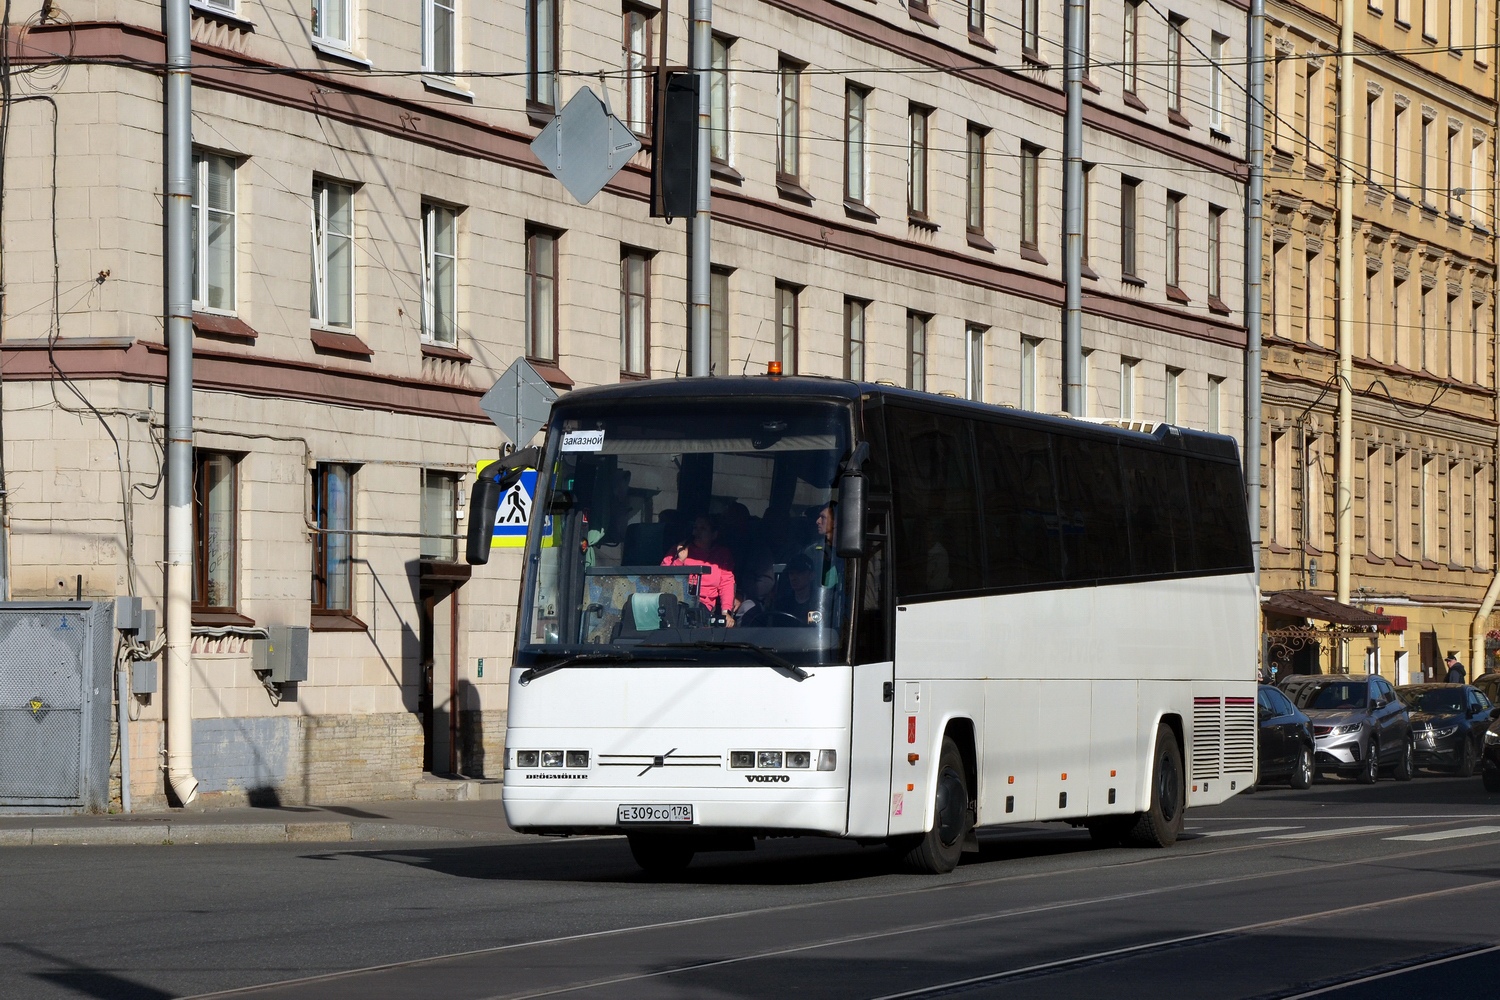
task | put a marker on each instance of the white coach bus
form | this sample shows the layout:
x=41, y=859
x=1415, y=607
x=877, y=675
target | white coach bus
x=946, y=616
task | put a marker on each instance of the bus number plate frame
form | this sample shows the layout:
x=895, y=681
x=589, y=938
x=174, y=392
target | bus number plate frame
x=670, y=814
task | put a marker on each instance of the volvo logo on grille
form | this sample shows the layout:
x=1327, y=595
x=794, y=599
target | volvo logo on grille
x=768, y=777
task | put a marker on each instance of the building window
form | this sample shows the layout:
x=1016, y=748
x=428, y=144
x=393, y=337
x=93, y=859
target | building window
x=215, y=530
x=213, y=232
x=1375, y=502
x=541, y=294
x=1481, y=32
x=1426, y=156
x=786, y=327
x=1215, y=405
x=1429, y=19
x=1478, y=193
x=1372, y=129
x=916, y=350
x=1312, y=297
x=1312, y=496
x=636, y=46
x=1031, y=20
x=440, y=36
x=1086, y=391
x=1086, y=212
x=718, y=101
x=1427, y=519
x=1085, y=41
x=439, y=490
x=974, y=361
x=1131, y=57
x=718, y=321
x=1215, y=255
x=975, y=174
x=1176, y=28
x=1281, y=289
x=976, y=17
x=1479, y=357
x=1127, y=388
x=635, y=312
x=854, y=338
x=332, y=299
x=440, y=274
x=1173, y=391
x=1450, y=173
x=1482, y=505
x=541, y=54
x=1402, y=12
x=855, y=124
x=330, y=22
x=1401, y=513
x=1174, y=240
x=333, y=545
x=916, y=177
x=1398, y=153
x=1128, y=190
x=1283, y=101
x=1030, y=350
x=1030, y=162
x=789, y=121
x=1316, y=100
x=1281, y=488
x=1457, y=556
x=1218, y=87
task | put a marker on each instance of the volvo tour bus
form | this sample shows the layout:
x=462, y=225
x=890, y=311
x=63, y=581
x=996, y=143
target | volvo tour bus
x=764, y=606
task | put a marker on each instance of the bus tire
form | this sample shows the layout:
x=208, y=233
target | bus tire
x=937, y=851
x=1161, y=823
x=661, y=855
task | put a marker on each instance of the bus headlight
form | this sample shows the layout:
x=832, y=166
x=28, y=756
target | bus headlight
x=527, y=758
x=552, y=758
x=577, y=758
x=799, y=758
x=742, y=758
x=768, y=758
x=828, y=760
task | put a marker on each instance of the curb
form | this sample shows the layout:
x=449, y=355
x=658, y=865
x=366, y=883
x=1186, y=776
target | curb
x=170, y=834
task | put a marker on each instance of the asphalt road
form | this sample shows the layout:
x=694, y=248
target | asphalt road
x=1343, y=891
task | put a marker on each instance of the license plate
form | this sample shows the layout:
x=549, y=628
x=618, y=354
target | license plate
x=656, y=814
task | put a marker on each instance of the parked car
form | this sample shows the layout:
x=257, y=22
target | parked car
x=1490, y=766
x=1286, y=740
x=1359, y=725
x=1489, y=684
x=1447, y=724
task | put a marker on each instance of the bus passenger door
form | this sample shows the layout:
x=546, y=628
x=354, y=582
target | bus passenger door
x=873, y=686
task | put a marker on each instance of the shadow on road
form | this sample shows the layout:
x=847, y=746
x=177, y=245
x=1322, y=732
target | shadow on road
x=84, y=980
x=1432, y=790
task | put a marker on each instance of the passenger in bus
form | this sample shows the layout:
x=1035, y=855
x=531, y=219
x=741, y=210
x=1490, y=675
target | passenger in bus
x=801, y=598
x=756, y=580
x=702, y=548
x=821, y=554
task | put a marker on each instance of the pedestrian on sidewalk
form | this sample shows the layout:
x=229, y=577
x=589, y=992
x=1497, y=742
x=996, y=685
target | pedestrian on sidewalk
x=1456, y=672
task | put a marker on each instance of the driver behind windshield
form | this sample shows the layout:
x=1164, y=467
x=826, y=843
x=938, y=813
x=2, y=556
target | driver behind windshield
x=702, y=548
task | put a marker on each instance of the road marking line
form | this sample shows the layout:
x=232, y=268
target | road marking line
x=1468, y=831
x=1249, y=830
x=1346, y=831
x=1466, y=953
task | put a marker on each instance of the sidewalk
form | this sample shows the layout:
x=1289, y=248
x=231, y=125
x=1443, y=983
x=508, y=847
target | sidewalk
x=404, y=820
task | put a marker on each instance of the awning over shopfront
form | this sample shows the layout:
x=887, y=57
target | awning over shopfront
x=1306, y=604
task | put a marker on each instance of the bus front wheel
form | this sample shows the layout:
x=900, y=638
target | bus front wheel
x=937, y=851
x=661, y=855
x=1160, y=824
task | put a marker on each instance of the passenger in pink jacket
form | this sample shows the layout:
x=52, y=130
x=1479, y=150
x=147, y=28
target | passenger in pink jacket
x=716, y=590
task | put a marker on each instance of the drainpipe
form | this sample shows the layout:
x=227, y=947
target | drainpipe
x=1255, y=152
x=1072, y=327
x=1487, y=604
x=179, y=470
x=700, y=264
x=1344, y=488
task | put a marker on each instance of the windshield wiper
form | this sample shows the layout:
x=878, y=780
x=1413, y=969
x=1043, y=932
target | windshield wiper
x=601, y=656
x=762, y=654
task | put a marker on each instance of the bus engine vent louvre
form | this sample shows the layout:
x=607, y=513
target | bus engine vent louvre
x=1240, y=722
x=1208, y=738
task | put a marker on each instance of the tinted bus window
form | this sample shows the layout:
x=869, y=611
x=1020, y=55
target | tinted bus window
x=1091, y=509
x=1161, y=527
x=938, y=545
x=1019, y=504
x=1220, y=517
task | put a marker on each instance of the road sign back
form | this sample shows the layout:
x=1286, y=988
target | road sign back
x=519, y=402
x=585, y=145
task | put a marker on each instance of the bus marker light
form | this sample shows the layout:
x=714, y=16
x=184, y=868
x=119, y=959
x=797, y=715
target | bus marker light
x=1111, y=773
x=828, y=760
x=912, y=758
x=911, y=788
x=1011, y=780
x=1065, y=776
x=773, y=367
x=911, y=729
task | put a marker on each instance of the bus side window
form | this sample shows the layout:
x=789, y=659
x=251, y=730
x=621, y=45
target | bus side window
x=872, y=621
x=938, y=548
x=1161, y=535
x=1091, y=509
x=1221, y=520
x=1020, y=506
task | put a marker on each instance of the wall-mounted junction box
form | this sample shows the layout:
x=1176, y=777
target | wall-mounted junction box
x=283, y=656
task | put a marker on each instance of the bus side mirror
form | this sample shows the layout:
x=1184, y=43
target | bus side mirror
x=484, y=506
x=850, y=540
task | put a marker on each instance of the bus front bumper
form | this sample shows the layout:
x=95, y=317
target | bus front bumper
x=765, y=809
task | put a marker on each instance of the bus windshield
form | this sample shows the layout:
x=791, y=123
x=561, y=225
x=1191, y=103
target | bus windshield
x=687, y=523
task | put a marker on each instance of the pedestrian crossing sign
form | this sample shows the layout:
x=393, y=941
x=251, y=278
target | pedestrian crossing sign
x=515, y=511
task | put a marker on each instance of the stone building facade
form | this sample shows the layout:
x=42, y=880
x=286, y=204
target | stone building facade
x=1422, y=326
x=376, y=243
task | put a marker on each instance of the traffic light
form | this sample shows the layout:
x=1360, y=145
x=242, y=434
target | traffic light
x=674, y=161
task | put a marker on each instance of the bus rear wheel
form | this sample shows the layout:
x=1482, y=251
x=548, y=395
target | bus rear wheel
x=1161, y=823
x=938, y=850
x=661, y=855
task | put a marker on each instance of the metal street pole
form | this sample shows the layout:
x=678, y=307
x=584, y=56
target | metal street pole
x=700, y=226
x=1255, y=152
x=1072, y=331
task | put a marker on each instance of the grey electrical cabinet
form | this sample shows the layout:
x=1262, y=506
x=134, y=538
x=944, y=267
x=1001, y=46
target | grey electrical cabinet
x=283, y=656
x=56, y=666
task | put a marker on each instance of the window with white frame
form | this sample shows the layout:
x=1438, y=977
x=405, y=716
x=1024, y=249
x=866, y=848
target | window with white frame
x=916, y=177
x=718, y=101
x=541, y=54
x=1173, y=392
x=786, y=326
x=789, y=120
x=439, y=274
x=718, y=321
x=636, y=46
x=974, y=361
x=855, y=131
x=916, y=350
x=1176, y=29
x=331, y=22
x=333, y=544
x=213, y=232
x=1030, y=353
x=854, y=338
x=1127, y=388
x=1218, y=82
x=541, y=294
x=1130, y=59
x=332, y=300
x=1174, y=240
x=974, y=171
x=439, y=513
x=1215, y=404
x=1031, y=21
x=440, y=37
x=635, y=312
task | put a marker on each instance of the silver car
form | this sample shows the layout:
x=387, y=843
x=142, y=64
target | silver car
x=1359, y=725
